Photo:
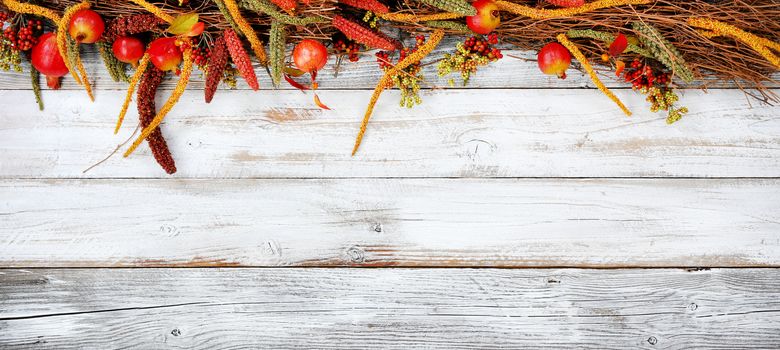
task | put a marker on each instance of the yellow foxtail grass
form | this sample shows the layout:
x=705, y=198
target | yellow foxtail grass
x=62, y=32
x=537, y=13
x=757, y=43
x=30, y=9
x=84, y=78
x=588, y=68
x=181, y=85
x=154, y=10
x=415, y=57
x=139, y=72
x=249, y=33
x=412, y=18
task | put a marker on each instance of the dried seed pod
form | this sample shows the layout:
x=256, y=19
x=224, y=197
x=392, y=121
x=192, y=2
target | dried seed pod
x=246, y=29
x=216, y=67
x=455, y=26
x=286, y=5
x=181, y=85
x=412, y=18
x=606, y=38
x=64, y=40
x=139, y=71
x=357, y=32
x=114, y=67
x=31, y=9
x=147, y=109
x=276, y=44
x=369, y=5
x=240, y=58
x=761, y=45
x=226, y=13
x=567, y=3
x=265, y=7
x=35, y=80
x=132, y=24
x=462, y=7
x=540, y=13
x=663, y=50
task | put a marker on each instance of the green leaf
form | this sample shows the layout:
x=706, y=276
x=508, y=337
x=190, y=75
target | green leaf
x=182, y=24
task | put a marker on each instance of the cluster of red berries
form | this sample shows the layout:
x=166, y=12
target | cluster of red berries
x=24, y=38
x=201, y=56
x=382, y=57
x=347, y=47
x=642, y=75
x=483, y=47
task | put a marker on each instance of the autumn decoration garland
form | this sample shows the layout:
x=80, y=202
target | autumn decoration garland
x=654, y=46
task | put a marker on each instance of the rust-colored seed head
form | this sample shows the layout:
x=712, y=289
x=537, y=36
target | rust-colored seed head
x=240, y=58
x=133, y=24
x=366, y=36
x=369, y=5
x=216, y=66
x=147, y=88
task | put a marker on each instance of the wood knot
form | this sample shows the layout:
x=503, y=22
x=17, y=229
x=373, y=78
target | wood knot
x=693, y=306
x=377, y=227
x=176, y=332
x=356, y=255
x=652, y=340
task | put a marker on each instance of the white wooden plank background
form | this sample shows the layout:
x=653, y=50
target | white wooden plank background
x=455, y=133
x=390, y=308
x=518, y=170
x=390, y=222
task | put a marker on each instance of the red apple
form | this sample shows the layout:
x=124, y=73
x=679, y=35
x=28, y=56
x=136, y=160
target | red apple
x=128, y=49
x=310, y=55
x=46, y=59
x=486, y=19
x=86, y=26
x=554, y=59
x=165, y=54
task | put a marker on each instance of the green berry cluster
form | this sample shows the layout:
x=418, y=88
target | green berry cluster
x=469, y=55
x=647, y=78
x=370, y=18
x=408, y=79
x=663, y=99
x=10, y=58
x=229, y=76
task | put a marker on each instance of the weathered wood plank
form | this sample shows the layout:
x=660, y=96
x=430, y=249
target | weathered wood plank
x=390, y=222
x=389, y=308
x=508, y=133
x=521, y=72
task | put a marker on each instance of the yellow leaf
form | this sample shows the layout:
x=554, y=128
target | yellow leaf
x=182, y=24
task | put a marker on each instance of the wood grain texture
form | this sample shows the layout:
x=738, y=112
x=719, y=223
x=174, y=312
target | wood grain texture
x=390, y=222
x=521, y=72
x=389, y=309
x=508, y=133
